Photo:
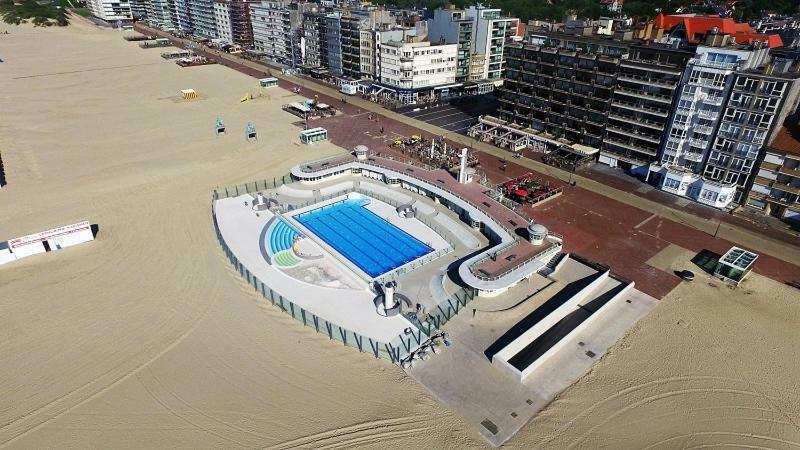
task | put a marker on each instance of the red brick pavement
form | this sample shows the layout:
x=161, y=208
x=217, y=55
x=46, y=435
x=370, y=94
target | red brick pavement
x=594, y=226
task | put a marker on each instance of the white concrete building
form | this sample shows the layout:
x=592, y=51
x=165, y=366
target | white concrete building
x=368, y=53
x=111, y=10
x=491, y=32
x=415, y=69
x=480, y=33
x=222, y=17
x=705, y=88
x=272, y=30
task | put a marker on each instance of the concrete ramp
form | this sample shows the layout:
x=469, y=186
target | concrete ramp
x=541, y=335
x=289, y=191
x=459, y=230
x=346, y=185
x=386, y=192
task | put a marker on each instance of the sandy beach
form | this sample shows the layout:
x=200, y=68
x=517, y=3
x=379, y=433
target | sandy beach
x=147, y=338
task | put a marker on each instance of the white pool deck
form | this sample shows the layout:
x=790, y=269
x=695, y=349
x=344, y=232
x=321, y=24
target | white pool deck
x=350, y=309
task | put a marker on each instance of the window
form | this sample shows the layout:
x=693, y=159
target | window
x=671, y=183
x=713, y=173
x=708, y=195
x=676, y=133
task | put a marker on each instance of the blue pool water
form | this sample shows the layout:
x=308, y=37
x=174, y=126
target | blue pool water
x=358, y=234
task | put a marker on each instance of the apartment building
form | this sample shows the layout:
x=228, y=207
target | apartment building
x=180, y=15
x=760, y=100
x=351, y=27
x=111, y=10
x=414, y=69
x=222, y=18
x=612, y=94
x=731, y=98
x=641, y=103
x=491, y=32
x=480, y=34
x=201, y=13
x=776, y=187
x=315, y=40
x=368, y=53
x=138, y=9
x=158, y=13
x=333, y=25
x=273, y=31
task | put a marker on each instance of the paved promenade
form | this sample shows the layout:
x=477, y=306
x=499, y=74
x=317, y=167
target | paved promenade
x=598, y=218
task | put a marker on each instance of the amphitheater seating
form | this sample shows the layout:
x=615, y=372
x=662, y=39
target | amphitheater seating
x=282, y=237
x=286, y=259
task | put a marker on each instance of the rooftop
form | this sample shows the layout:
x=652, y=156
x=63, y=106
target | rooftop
x=698, y=26
x=787, y=140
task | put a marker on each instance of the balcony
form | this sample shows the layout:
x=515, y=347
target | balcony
x=713, y=64
x=633, y=134
x=645, y=81
x=703, y=129
x=706, y=83
x=645, y=95
x=639, y=121
x=786, y=188
x=635, y=107
x=707, y=114
x=715, y=101
x=630, y=147
x=699, y=143
x=681, y=126
x=693, y=156
x=787, y=171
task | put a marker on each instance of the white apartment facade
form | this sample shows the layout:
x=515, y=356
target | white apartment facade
x=414, y=69
x=111, y=10
x=272, y=30
x=491, y=32
x=222, y=17
x=368, y=53
x=705, y=88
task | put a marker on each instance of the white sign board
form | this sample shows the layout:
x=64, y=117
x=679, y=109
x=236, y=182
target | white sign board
x=56, y=239
x=5, y=253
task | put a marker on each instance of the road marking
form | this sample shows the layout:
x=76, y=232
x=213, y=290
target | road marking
x=645, y=221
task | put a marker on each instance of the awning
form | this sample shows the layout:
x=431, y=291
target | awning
x=521, y=192
x=449, y=86
x=300, y=106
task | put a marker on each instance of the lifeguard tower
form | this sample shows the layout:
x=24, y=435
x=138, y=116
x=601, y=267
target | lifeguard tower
x=250, y=132
x=219, y=126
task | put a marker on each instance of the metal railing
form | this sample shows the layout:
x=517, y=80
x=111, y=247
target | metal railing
x=394, y=351
x=493, y=254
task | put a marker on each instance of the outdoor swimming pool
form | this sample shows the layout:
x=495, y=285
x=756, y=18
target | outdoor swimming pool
x=368, y=241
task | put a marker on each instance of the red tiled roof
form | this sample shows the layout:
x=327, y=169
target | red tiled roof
x=787, y=141
x=698, y=26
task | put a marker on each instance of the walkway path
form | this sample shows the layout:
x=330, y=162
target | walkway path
x=778, y=244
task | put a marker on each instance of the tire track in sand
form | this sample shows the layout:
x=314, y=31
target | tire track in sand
x=335, y=438
x=118, y=380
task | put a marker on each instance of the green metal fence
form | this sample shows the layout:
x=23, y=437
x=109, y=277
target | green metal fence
x=393, y=351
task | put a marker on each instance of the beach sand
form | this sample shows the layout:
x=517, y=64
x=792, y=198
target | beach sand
x=147, y=338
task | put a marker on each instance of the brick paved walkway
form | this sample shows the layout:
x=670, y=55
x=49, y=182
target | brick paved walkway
x=597, y=220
